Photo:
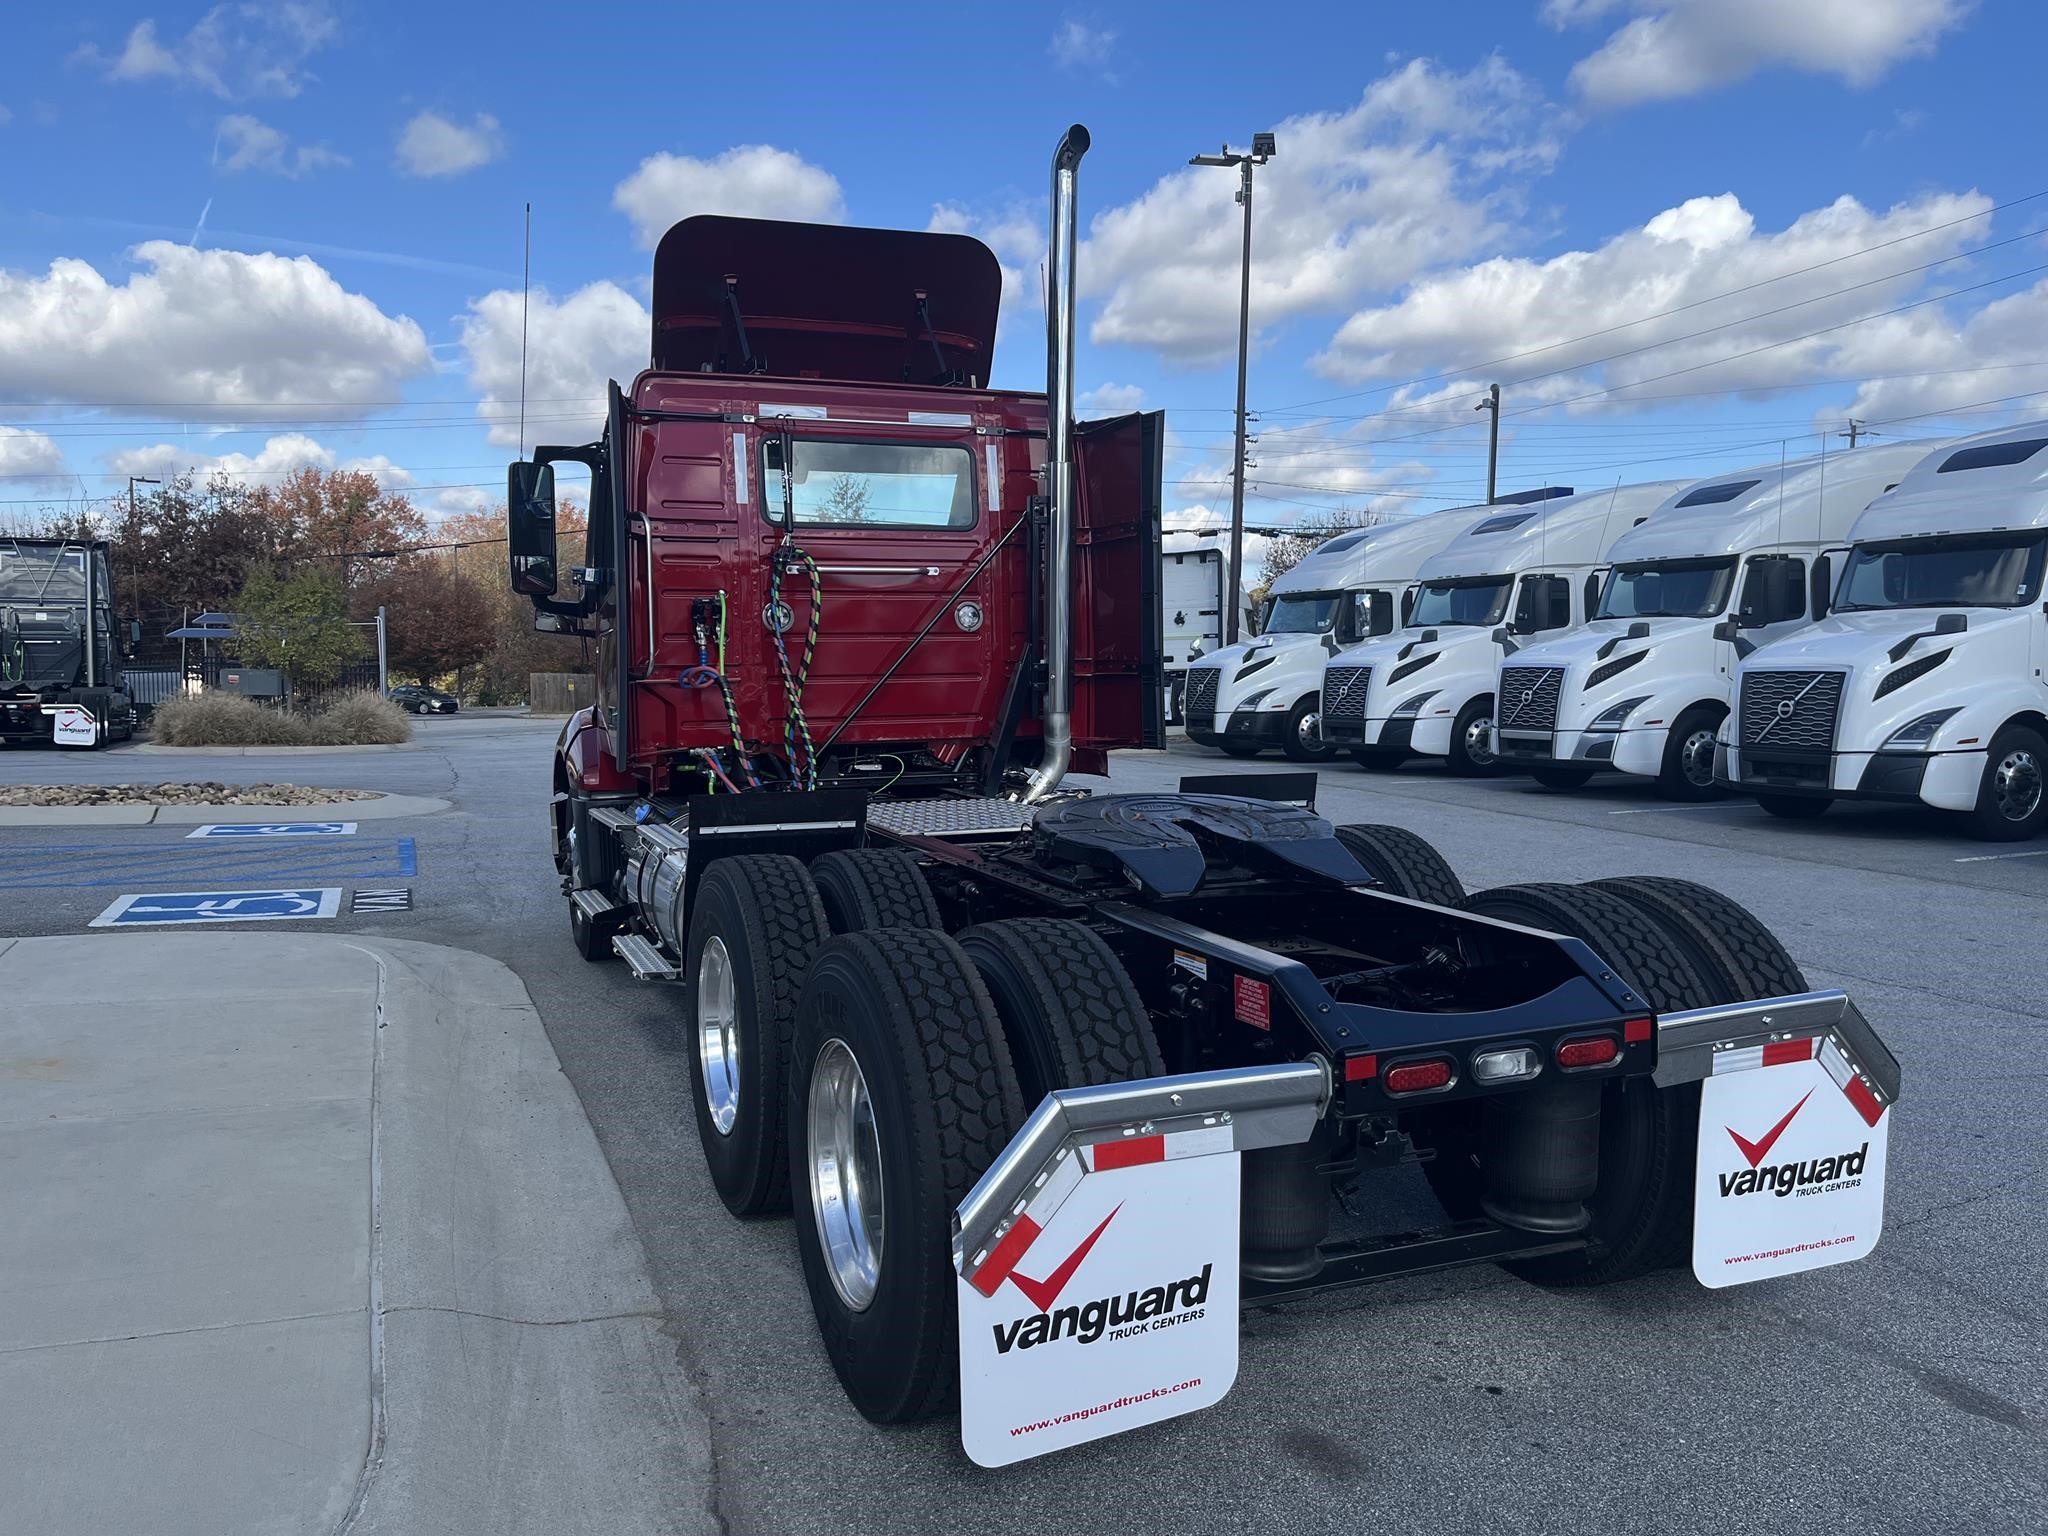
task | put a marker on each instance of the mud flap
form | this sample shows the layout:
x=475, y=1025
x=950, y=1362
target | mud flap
x=1097, y=1261
x=1792, y=1145
x=73, y=725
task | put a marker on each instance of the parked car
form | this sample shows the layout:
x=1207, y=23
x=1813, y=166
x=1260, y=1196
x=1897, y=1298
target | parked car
x=419, y=699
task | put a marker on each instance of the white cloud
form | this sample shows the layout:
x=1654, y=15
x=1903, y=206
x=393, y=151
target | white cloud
x=1110, y=400
x=465, y=500
x=29, y=455
x=433, y=145
x=201, y=333
x=1678, y=262
x=1078, y=45
x=573, y=346
x=279, y=456
x=750, y=180
x=1017, y=237
x=244, y=143
x=234, y=51
x=1992, y=353
x=6, y=116
x=1354, y=202
x=1676, y=48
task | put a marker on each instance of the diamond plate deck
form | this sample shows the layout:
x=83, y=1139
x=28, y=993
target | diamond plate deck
x=991, y=817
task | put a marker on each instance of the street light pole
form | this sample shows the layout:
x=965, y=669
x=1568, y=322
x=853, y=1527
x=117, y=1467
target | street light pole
x=1492, y=403
x=1262, y=150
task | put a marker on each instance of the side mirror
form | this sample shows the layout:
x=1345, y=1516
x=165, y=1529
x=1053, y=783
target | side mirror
x=1951, y=623
x=530, y=527
x=1725, y=630
x=1639, y=631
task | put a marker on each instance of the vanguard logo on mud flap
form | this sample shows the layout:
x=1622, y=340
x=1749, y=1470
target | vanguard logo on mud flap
x=1115, y=1316
x=1783, y=1179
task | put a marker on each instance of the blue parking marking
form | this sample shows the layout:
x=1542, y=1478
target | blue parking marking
x=275, y=829
x=164, y=908
x=269, y=863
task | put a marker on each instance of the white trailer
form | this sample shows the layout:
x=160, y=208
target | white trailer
x=1264, y=692
x=1727, y=564
x=1924, y=684
x=1428, y=689
x=1191, y=616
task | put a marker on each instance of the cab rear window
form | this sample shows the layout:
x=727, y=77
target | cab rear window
x=875, y=485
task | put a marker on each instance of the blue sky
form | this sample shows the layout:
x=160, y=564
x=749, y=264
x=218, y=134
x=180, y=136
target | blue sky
x=257, y=236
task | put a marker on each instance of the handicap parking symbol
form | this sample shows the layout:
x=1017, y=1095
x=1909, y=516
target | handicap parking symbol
x=274, y=829
x=157, y=908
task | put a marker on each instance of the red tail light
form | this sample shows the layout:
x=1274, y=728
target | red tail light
x=1418, y=1076
x=1595, y=1051
x=1636, y=1031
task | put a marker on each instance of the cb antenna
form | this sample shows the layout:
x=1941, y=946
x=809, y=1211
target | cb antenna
x=525, y=284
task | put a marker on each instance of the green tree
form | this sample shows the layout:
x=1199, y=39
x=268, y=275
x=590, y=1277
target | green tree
x=436, y=619
x=297, y=623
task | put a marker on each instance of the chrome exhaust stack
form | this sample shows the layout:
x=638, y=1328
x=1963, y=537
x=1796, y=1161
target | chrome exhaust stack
x=1059, y=470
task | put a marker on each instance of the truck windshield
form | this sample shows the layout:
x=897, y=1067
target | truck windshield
x=879, y=485
x=1478, y=600
x=1301, y=613
x=1668, y=589
x=2001, y=571
x=41, y=574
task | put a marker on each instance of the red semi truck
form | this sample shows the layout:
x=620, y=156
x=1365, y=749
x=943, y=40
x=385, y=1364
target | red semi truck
x=1055, y=1081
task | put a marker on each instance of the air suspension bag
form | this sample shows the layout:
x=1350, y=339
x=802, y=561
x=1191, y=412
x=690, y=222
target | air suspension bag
x=1541, y=1153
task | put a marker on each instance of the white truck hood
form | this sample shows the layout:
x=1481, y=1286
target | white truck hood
x=1581, y=647
x=1864, y=638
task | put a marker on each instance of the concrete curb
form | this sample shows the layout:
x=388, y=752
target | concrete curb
x=392, y=1285
x=150, y=748
x=383, y=808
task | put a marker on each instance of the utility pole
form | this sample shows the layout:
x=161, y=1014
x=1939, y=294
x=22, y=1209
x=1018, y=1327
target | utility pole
x=1263, y=149
x=1492, y=403
x=1856, y=429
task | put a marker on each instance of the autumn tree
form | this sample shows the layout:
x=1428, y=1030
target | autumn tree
x=297, y=623
x=436, y=619
x=341, y=517
x=517, y=650
x=1285, y=551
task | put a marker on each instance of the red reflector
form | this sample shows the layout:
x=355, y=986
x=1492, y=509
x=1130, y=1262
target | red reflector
x=1636, y=1031
x=1359, y=1069
x=1418, y=1076
x=1596, y=1052
x=1778, y=1052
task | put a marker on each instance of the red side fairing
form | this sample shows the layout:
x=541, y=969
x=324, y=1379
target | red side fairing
x=697, y=491
x=585, y=749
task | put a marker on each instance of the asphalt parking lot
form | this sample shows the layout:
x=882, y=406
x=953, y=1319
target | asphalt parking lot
x=1904, y=1393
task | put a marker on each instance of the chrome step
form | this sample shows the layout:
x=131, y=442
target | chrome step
x=611, y=816
x=645, y=961
x=951, y=817
x=592, y=904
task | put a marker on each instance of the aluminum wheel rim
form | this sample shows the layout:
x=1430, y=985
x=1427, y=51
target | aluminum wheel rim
x=718, y=1035
x=1310, y=730
x=2017, y=785
x=1696, y=759
x=846, y=1174
x=1479, y=740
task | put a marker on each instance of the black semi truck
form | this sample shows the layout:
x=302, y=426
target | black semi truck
x=60, y=677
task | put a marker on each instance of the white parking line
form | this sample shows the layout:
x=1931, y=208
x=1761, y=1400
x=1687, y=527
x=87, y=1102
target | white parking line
x=1658, y=810
x=1986, y=858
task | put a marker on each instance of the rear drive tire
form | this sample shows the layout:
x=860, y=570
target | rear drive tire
x=1380, y=758
x=1303, y=740
x=1642, y=1208
x=1068, y=1008
x=756, y=923
x=1738, y=957
x=901, y=1095
x=1562, y=778
x=868, y=888
x=1687, y=771
x=1796, y=807
x=1404, y=863
x=1471, y=755
x=2012, y=797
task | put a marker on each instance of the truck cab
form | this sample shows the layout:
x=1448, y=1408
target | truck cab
x=1428, y=689
x=1923, y=685
x=59, y=645
x=1267, y=692
x=1724, y=566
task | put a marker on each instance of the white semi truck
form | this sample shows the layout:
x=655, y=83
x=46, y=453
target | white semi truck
x=1924, y=684
x=1191, y=616
x=1725, y=565
x=1264, y=692
x=1428, y=689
